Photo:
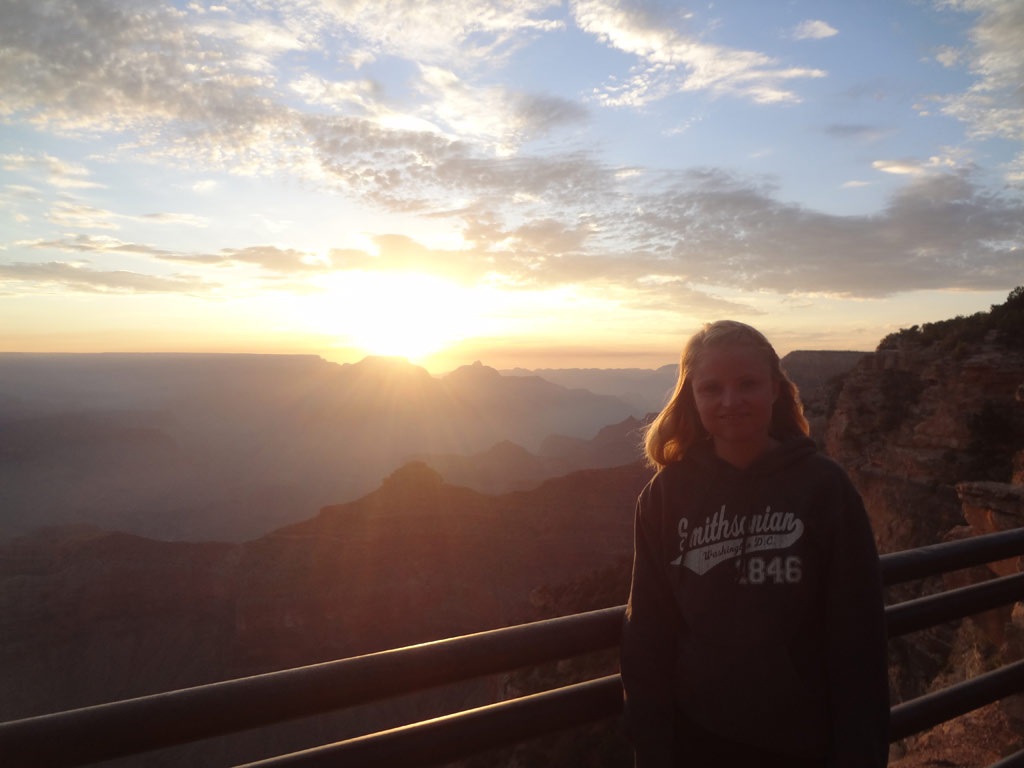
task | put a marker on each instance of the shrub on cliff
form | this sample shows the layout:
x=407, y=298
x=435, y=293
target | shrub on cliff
x=958, y=334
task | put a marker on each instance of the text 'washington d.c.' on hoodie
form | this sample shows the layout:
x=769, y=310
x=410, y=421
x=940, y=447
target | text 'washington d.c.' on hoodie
x=756, y=610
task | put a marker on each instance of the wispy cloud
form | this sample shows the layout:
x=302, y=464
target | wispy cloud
x=34, y=277
x=856, y=131
x=72, y=214
x=814, y=29
x=942, y=231
x=461, y=32
x=105, y=67
x=268, y=257
x=494, y=115
x=54, y=171
x=915, y=167
x=69, y=214
x=337, y=94
x=188, y=219
x=992, y=106
x=675, y=62
x=939, y=232
x=23, y=192
x=82, y=243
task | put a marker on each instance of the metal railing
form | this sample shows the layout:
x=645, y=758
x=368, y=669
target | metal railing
x=92, y=734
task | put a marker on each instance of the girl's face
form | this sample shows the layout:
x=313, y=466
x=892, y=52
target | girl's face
x=734, y=392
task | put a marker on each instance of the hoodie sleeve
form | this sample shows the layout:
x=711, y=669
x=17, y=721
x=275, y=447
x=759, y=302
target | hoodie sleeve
x=856, y=642
x=648, y=645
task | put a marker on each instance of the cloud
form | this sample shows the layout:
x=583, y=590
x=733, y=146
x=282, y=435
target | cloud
x=421, y=171
x=183, y=95
x=23, y=192
x=678, y=295
x=69, y=214
x=666, y=243
x=200, y=95
x=663, y=247
x=188, y=219
x=939, y=232
x=260, y=35
x=24, y=276
x=541, y=113
x=675, y=62
x=462, y=33
x=495, y=115
x=268, y=257
x=105, y=66
x=1015, y=171
x=812, y=29
x=550, y=237
x=914, y=167
x=993, y=105
x=949, y=57
x=271, y=258
x=58, y=173
x=316, y=90
x=96, y=244
x=900, y=167
x=854, y=131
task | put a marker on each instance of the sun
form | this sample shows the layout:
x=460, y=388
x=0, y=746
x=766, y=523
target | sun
x=399, y=314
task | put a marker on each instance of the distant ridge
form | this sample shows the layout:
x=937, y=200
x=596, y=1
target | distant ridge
x=645, y=389
x=506, y=466
x=811, y=369
x=227, y=447
x=94, y=615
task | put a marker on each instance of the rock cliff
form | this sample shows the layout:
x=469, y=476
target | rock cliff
x=914, y=420
x=930, y=428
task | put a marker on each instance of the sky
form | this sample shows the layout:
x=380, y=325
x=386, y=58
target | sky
x=525, y=183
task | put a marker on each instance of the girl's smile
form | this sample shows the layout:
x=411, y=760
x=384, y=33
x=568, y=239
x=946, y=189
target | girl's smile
x=734, y=391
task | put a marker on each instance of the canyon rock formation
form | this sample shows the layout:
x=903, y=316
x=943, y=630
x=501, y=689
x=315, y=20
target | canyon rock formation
x=930, y=428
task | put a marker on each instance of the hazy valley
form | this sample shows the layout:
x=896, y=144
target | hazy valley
x=228, y=447
x=517, y=505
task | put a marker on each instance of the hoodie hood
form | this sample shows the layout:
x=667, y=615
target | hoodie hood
x=788, y=452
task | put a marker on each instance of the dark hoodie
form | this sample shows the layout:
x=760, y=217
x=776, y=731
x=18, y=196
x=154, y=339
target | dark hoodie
x=756, y=610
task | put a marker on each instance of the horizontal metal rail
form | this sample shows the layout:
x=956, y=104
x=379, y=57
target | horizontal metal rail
x=106, y=731
x=912, y=615
x=899, y=567
x=1016, y=760
x=931, y=709
x=466, y=733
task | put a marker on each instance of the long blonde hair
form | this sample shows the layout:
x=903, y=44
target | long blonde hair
x=678, y=426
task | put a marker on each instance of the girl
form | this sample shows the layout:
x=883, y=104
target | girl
x=754, y=633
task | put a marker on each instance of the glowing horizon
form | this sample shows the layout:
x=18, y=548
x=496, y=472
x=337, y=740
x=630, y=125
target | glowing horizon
x=532, y=183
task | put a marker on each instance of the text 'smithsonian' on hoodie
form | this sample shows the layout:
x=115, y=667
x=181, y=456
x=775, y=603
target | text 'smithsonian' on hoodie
x=756, y=610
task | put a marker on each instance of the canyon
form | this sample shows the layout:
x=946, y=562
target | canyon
x=930, y=427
